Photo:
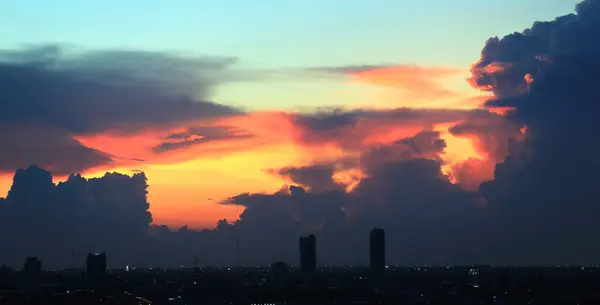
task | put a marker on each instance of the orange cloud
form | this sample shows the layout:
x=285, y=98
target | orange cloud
x=425, y=79
x=471, y=172
x=411, y=84
x=279, y=139
x=196, y=152
x=245, y=145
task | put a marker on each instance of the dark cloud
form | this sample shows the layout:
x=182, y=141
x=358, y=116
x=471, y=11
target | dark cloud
x=291, y=211
x=545, y=192
x=403, y=191
x=424, y=145
x=403, y=195
x=540, y=208
x=56, y=93
x=93, y=92
x=41, y=218
x=200, y=135
x=350, y=128
x=339, y=118
x=317, y=178
x=49, y=146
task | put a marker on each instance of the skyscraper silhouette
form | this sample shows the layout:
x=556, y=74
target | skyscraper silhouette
x=377, y=251
x=308, y=253
x=96, y=264
x=32, y=274
x=96, y=271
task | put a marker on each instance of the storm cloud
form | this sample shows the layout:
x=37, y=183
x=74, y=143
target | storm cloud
x=546, y=190
x=57, y=93
x=540, y=207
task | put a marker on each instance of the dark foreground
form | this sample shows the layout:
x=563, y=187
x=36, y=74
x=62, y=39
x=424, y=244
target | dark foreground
x=344, y=285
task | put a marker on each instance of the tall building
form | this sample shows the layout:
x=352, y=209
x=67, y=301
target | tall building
x=96, y=272
x=377, y=251
x=96, y=264
x=32, y=274
x=308, y=253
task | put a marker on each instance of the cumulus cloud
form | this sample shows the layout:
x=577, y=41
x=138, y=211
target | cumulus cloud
x=545, y=190
x=403, y=190
x=358, y=130
x=491, y=135
x=111, y=214
x=41, y=218
x=539, y=208
x=53, y=92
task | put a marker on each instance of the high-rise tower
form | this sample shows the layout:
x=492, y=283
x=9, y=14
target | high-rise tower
x=377, y=251
x=308, y=253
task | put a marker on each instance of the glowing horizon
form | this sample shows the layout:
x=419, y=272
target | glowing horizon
x=180, y=196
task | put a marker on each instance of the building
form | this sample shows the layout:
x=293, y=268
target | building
x=32, y=274
x=96, y=264
x=308, y=253
x=377, y=251
x=96, y=271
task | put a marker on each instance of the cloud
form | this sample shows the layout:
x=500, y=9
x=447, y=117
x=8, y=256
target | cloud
x=40, y=218
x=200, y=135
x=492, y=133
x=403, y=192
x=424, y=145
x=356, y=128
x=484, y=136
x=545, y=191
x=111, y=214
x=539, y=207
x=470, y=173
x=93, y=92
x=415, y=82
x=49, y=146
x=60, y=93
x=317, y=177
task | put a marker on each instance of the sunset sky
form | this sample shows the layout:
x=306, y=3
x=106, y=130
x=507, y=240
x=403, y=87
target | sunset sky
x=276, y=63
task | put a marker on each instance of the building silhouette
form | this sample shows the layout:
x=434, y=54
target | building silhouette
x=96, y=271
x=308, y=253
x=32, y=274
x=96, y=264
x=377, y=251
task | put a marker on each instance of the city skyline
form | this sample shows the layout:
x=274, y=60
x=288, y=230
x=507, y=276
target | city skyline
x=466, y=148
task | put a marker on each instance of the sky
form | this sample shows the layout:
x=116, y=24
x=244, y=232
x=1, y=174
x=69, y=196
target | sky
x=231, y=111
